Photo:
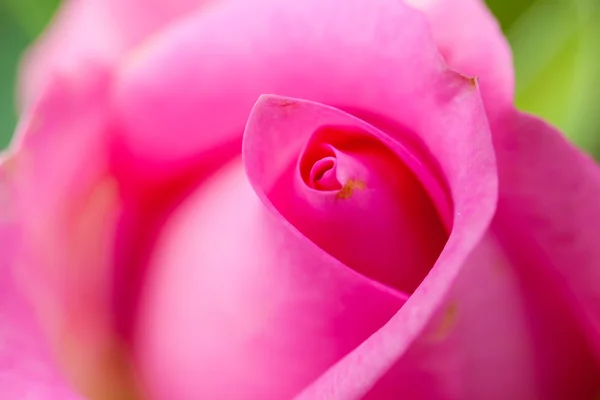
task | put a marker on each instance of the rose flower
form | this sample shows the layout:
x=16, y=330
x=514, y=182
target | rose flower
x=276, y=199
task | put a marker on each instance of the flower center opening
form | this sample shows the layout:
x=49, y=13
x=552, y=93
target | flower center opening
x=323, y=174
x=356, y=198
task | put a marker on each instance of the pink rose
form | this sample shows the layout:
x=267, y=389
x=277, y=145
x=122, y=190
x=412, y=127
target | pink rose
x=277, y=199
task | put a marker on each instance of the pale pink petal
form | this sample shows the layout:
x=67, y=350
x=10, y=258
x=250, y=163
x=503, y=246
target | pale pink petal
x=93, y=30
x=549, y=212
x=237, y=304
x=66, y=207
x=27, y=370
x=193, y=89
x=377, y=217
x=471, y=41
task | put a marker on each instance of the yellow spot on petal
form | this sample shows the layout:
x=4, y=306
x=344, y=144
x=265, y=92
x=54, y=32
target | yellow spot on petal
x=474, y=81
x=348, y=189
x=446, y=323
x=81, y=330
x=100, y=368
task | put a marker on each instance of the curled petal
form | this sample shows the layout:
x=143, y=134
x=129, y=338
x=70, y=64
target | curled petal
x=517, y=301
x=488, y=318
x=377, y=217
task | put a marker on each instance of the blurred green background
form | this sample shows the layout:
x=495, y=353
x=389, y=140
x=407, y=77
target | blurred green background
x=556, y=46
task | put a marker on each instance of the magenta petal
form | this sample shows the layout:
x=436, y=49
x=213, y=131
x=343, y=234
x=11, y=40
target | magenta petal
x=549, y=212
x=238, y=305
x=483, y=343
x=323, y=175
x=471, y=41
x=505, y=307
x=381, y=221
x=204, y=79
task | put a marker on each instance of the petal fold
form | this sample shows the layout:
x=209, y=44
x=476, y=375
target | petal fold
x=472, y=43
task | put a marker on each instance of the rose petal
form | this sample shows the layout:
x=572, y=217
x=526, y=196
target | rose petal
x=549, y=212
x=488, y=340
x=444, y=109
x=471, y=41
x=204, y=79
x=515, y=317
x=26, y=369
x=238, y=305
x=98, y=31
x=66, y=209
x=382, y=222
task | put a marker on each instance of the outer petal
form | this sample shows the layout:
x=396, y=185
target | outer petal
x=66, y=209
x=472, y=43
x=93, y=30
x=204, y=79
x=26, y=369
x=549, y=212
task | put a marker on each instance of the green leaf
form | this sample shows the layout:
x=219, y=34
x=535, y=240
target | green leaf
x=20, y=23
x=12, y=42
x=30, y=15
x=508, y=11
x=557, y=60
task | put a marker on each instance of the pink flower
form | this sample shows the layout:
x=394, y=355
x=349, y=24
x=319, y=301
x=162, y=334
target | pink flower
x=277, y=199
